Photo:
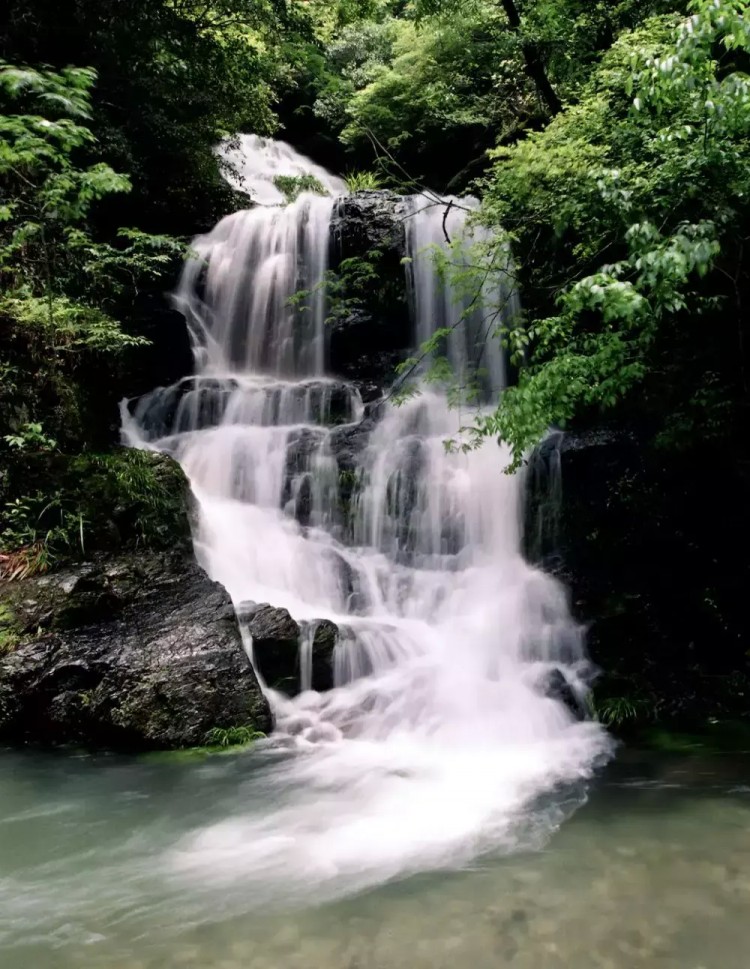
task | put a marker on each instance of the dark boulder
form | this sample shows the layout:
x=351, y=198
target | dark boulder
x=325, y=637
x=555, y=685
x=638, y=532
x=191, y=403
x=279, y=642
x=276, y=638
x=373, y=219
x=141, y=652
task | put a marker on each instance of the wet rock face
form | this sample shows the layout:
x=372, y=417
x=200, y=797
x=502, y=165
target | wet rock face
x=638, y=533
x=139, y=653
x=370, y=220
x=373, y=334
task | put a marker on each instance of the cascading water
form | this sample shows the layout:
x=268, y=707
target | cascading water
x=438, y=739
x=473, y=312
x=251, y=164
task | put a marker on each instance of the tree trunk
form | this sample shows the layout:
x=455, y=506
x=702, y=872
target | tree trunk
x=535, y=67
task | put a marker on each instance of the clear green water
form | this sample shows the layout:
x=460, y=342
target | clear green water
x=98, y=869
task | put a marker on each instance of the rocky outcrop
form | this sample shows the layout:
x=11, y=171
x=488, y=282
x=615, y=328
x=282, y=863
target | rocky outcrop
x=373, y=333
x=139, y=652
x=639, y=536
x=370, y=220
x=275, y=637
x=199, y=402
x=278, y=646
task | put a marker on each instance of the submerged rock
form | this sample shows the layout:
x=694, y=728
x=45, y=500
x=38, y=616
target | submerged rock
x=143, y=652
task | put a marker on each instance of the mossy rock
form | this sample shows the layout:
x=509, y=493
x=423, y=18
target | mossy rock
x=136, y=498
x=77, y=506
x=11, y=632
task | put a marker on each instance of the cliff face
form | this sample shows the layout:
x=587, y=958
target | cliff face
x=651, y=549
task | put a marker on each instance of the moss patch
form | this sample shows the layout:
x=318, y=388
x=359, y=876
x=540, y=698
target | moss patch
x=194, y=753
x=10, y=629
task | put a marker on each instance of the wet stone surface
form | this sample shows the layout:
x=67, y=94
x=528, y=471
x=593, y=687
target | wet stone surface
x=138, y=651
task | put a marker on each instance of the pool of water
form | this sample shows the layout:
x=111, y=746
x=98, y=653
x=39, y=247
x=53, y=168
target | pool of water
x=142, y=864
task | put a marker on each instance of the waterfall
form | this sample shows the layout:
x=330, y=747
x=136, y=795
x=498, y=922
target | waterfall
x=251, y=164
x=235, y=292
x=473, y=306
x=440, y=735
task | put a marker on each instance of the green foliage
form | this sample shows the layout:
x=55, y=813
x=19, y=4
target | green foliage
x=10, y=634
x=363, y=181
x=354, y=59
x=30, y=437
x=62, y=288
x=37, y=530
x=46, y=246
x=292, y=186
x=346, y=288
x=175, y=76
x=399, y=79
x=141, y=493
x=629, y=207
x=615, y=711
x=233, y=736
x=47, y=193
x=58, y=280
x=65, y=324
x=417, y=87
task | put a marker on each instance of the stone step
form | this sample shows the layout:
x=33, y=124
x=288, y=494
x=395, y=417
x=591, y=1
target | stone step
x=197, y=403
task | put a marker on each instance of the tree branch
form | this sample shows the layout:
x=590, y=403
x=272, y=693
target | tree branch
x=535, y=66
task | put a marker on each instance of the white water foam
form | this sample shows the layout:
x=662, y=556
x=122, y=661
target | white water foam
x=438, y=739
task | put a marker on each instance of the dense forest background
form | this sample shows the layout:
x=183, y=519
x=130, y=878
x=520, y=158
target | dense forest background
x=609, y=141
